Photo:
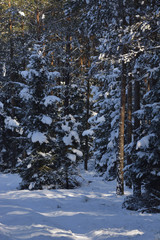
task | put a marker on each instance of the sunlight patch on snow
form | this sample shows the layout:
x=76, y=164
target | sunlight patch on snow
x=71, y=214
x=17, y=213
x=52, y=195
x=116, y=233
x=55, y=194
x=38, y=230
x=23, y=194
x=63, y=233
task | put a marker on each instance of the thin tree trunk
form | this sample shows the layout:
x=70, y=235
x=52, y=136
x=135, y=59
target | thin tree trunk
x=11, y=40
x=136, y=182
x=23, y=42
x=87, y=64
x=120, y=160
x=66, y=100
x=129, y=124
x=67, y=75
x=10, y=33
x=129, y=111
x=87, y=126
x=13, y=76
x=38, y=25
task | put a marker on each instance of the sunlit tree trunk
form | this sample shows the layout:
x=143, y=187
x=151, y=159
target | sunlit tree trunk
x=66, y=100
x=11, y=33
x=129, y=123
x=120, y=160
x=67, y=74
x=38, y=24
x=87, y=126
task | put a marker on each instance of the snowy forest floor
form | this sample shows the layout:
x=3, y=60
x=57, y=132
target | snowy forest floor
x=91, y=212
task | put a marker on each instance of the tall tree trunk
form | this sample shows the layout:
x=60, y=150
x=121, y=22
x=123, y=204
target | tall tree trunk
x=67, y=75
x=87, y=65
x=11, y=39
x=66, y=100
x=38, y=24
x=87, y=126
x=10, y=33
x=23, y=42
x=13, y=77
x=136, y=182
x=129, y=123
x=120, y=160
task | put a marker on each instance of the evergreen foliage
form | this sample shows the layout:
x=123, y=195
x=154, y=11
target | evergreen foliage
x=79, y=80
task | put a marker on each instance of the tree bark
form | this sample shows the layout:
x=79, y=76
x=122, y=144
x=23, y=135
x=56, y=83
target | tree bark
x=120, y=161
x=129, y=124
x=67, y=75
x=136, y=182
x=10, y=33
x=87, y=66
x=38, y=25
x=87, y=126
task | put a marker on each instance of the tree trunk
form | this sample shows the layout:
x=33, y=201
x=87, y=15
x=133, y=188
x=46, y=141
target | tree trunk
x=66, y=99
x=87, y=66
x=120, y=160
x=10, y=33
x=67, y=75
x=38, y=25
x=136, y=182
x=129, y=124
x=87, y=126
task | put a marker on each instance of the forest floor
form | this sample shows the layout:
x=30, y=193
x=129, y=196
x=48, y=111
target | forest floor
x=91, y=212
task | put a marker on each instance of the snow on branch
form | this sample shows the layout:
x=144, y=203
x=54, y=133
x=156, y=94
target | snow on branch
x=39, y=137
x=88, y=132
x=49, y=100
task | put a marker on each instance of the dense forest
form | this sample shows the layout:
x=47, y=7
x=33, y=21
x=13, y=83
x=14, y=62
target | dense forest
x=80, y=82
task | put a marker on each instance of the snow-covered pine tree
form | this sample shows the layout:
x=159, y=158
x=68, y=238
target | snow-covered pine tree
x=38, y=165
x=68, y=152
x=144, y=148
x=105, y=122
x=102, y=28
x=10, y=82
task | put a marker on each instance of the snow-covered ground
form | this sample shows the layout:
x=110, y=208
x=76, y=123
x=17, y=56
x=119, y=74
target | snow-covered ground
x=92, y=212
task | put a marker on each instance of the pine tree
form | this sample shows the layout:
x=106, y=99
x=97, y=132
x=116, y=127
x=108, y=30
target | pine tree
x=38, y=166
x=145, y=139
